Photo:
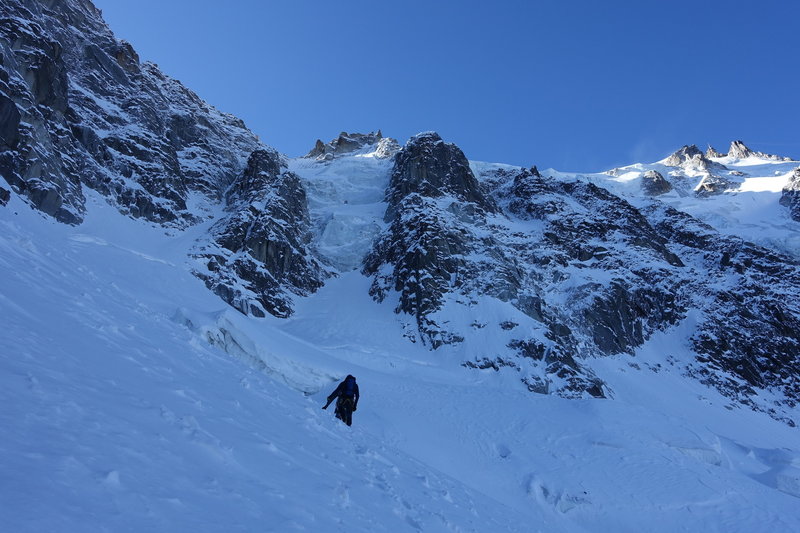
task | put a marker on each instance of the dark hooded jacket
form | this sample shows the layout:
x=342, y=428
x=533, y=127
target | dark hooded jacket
x=346, y=389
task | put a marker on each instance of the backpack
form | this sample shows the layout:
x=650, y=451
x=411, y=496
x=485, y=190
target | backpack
x=350, y=387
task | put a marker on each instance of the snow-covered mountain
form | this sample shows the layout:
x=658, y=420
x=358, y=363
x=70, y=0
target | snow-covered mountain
x=537, y=351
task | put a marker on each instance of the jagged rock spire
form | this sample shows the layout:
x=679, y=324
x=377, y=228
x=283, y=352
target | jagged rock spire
x=739, y=150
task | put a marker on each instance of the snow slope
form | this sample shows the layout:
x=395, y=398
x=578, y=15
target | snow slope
x=134, y=399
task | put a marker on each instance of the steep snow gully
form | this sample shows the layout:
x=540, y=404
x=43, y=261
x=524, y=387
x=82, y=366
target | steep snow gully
x=136, y=400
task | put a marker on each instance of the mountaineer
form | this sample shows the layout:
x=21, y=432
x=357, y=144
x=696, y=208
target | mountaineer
x=347, y=394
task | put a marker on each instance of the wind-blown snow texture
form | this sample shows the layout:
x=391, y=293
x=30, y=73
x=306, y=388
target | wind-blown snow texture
x=536, y=351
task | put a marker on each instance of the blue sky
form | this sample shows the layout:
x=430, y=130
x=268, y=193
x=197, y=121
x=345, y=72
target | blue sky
x=574, y=85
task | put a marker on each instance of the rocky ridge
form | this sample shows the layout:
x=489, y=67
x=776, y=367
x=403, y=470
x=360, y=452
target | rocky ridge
x=80, y=109
x=739, y=150
x=690, y=159
x=347, y=143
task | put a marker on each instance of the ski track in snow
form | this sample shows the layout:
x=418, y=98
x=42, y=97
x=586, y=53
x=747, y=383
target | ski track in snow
x=134, y=400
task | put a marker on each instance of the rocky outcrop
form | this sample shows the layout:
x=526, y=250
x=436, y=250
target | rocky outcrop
x=259, y=258
x=433, y=200
x=78, y=109
x=386, y=148
x=712, y=152
x=712, y=184
x=791, y=195
x=442, y=250
x=684, y=155
x=347, y=143
x=692, y=158
x=432, y=168
x=739, y=150
x=654, y=184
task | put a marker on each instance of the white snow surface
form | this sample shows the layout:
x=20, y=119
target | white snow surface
x=136, y=400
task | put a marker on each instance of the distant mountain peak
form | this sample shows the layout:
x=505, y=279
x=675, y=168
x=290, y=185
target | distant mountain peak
x=347, y=143
x=739, y=150
x=689, y=157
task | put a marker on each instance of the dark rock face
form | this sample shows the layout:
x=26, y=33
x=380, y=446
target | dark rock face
x=347, y=143
x=747, y=340
x=433, y=198
x=654, y=184
x=619, y=314
x=259, y=255
x=791, y=195
x=749, y=336
x=433, y=168
x=9, y=122
x=78, y=109
x=446, y=244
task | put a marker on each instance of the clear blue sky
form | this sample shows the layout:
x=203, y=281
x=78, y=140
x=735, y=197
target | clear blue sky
x=581, y=85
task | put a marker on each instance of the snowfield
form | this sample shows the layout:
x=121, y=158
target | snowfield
x=134, y=399
x=748, y=209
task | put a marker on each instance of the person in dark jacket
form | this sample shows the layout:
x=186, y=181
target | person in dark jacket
x=347, y=394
